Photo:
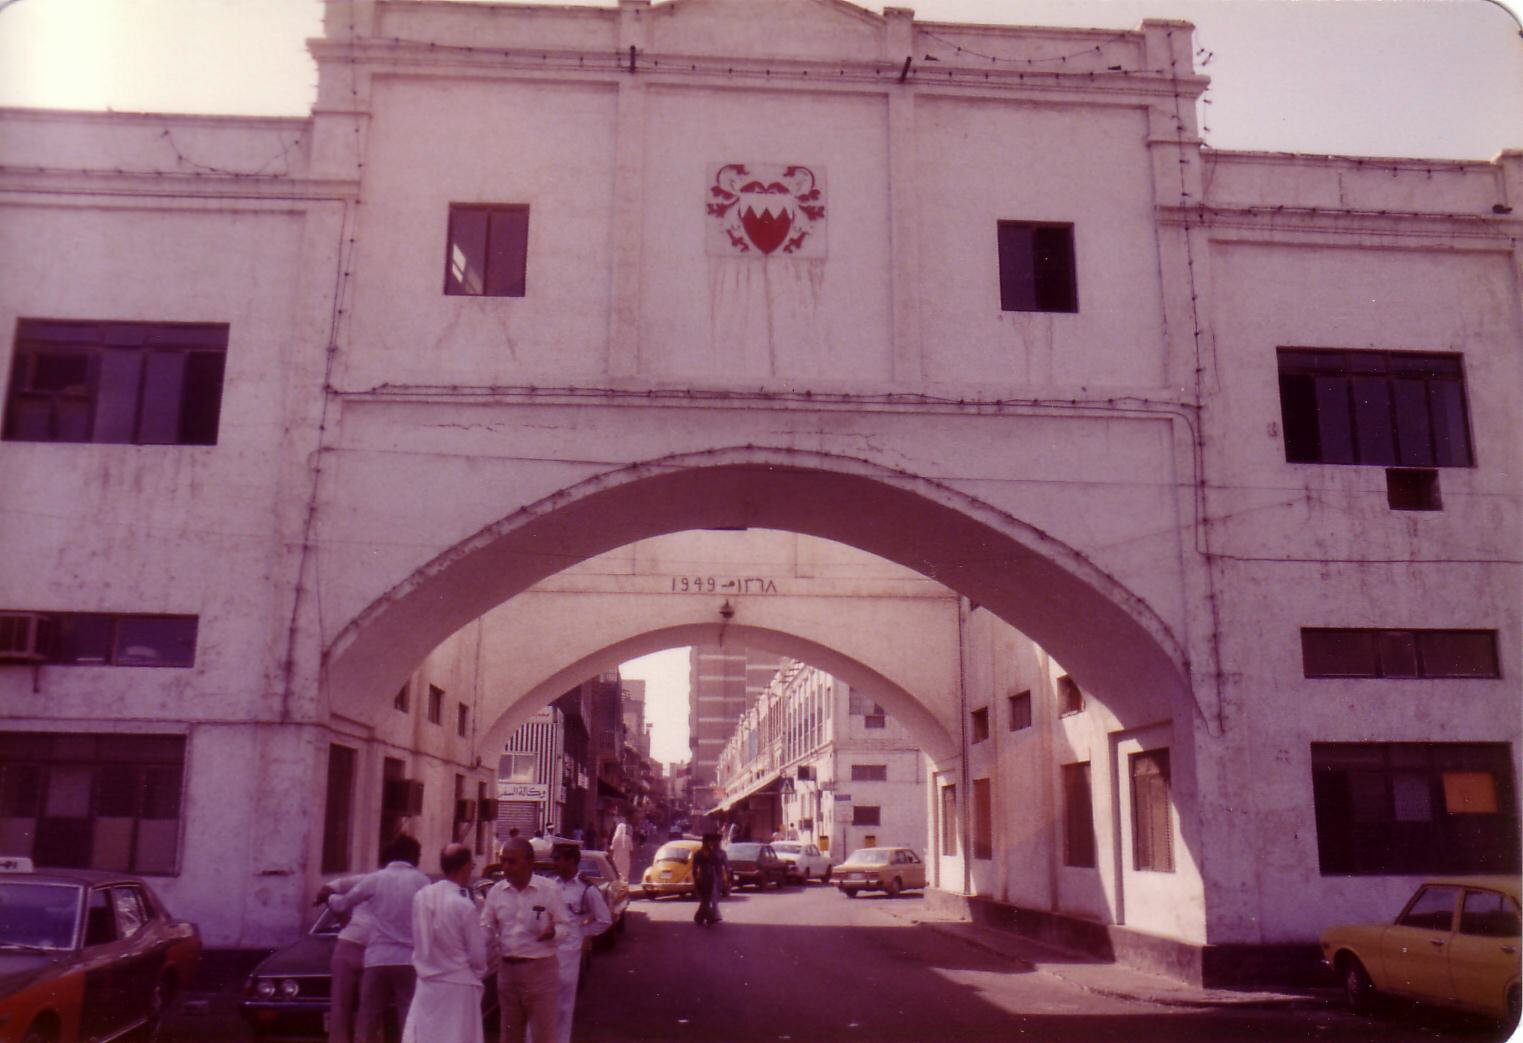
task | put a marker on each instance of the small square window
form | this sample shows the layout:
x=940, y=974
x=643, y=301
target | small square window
x=487, y=252
x=1036, y=267
x=1413, y=489
x=979, y=724
x=1020, y=711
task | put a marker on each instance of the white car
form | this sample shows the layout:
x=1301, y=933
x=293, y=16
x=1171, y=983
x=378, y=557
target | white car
x=805, y=862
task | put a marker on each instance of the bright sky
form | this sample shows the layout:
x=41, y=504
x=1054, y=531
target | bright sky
x=1380, y=77
x=666, y=689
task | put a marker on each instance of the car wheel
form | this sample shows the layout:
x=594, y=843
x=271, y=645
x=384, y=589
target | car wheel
x=1357, y=987
x=1514, y=1009
x=894, y=887
x=825, y=876
x=849, y=892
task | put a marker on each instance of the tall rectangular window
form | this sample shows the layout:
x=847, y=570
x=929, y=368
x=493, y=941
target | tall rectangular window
x=978, y=725
x=1414, y=807
x=949, y=824
x=487, y=252
x=1374, y=407
x=1020, y=710
x=1070, y=697
x=339, y=813
x=1332, y=652
x=137, y=383
x=983, y=819
x=1078, y=817
x=1036, y=267
x=435, y=704
x=462, y=719
x=86, y=801
x=1152, y=821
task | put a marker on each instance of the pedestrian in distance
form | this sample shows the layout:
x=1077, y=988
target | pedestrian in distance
x=449, y=955
x=589, y=917
x=388, y=977
x=709, y=863
x=523, y=916
x=621, y=849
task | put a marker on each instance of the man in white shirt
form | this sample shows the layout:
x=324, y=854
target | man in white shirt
x=389, y=977
x=347, y=965
x=522, y=918
x=449, y=953
x=589, y=917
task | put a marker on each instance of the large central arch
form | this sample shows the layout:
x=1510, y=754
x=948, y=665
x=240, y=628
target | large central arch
x=1110, y=639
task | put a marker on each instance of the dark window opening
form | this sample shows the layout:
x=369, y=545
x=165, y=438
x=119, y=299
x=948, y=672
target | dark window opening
x=1374, y=407
x=1036, y=267
x=83, y=801
x=1406, y=808
x=865, y=815
x=487, y=253
x=1329, y=652
x=100, y=639
x=1020, y=711
x=435, y=704
x=869, y=772
x=135, y=383
x=1070, y=697
x=979, y=725
x=1078, y=817
x=1152, y=824
x=1413, y=489
x=400, y=702
x=462, y=719
x=339, y=814
x=983, y=820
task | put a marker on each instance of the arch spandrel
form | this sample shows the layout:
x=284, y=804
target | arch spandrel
x=1109, y=638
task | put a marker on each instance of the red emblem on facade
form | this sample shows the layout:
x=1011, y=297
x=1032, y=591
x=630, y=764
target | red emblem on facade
x=763, y=208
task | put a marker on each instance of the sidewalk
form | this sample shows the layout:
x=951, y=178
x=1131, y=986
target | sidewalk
x=1102, y=977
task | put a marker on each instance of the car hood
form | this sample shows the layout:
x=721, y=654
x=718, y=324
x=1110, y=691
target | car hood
x=20, y=969
x=311, y=955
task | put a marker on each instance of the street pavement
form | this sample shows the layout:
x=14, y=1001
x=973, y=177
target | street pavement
x=809, y=964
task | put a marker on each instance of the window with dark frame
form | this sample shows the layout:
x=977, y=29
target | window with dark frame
x=865, y=815
x=1070, y=697
x=1414, y=808
x=1152, y=818
x=978, y=725
x=108, y=639
x=487, y=252
x=87, y=801
x=983, y=819
x=869, y=773
x=401, y=702
x=1392, y=408
x=1346, y=652
x=462, y=719
x=1078, y=817
x=338, y=814
x=876, y=719
x=435, y=704
x=1020, y=710
x=132, y=383
x=949, y=825
x=1036, y=267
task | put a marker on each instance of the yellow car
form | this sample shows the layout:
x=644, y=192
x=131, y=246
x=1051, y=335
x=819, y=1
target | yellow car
x=886, y=869
x=671, y=871
x=1454, y=944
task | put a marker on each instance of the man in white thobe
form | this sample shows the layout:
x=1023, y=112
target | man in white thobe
x=450, y=955
x=589, y=917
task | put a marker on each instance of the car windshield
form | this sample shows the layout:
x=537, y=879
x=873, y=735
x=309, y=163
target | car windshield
x=743, y=850
x=330, y=923
x=871, y=856
x=788, y=849
x=674, y=853
x=38, y=915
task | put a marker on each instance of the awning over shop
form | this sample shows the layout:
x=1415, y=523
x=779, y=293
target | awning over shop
x=769, y=784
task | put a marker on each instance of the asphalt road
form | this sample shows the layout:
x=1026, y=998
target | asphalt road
x=808, y=964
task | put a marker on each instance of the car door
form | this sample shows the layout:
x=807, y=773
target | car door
x=1483, y=955
x=914, y=870
x=1415, y=950
x=142, y=950
x=101, y=1004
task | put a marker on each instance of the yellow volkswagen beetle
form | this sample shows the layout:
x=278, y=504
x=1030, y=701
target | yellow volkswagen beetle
x=1455, y=944
x=671, y=871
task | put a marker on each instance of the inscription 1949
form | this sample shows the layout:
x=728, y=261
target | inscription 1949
x=721, y=585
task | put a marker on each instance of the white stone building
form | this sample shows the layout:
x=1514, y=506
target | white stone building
x=1230, y=436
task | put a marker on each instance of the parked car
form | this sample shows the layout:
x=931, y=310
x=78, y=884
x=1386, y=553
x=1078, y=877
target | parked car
x=671, y=871
x=1455, y=943
x=804, y=860
x=887, y=869
x=596, y=869
x=86, y=954
x=755, y=864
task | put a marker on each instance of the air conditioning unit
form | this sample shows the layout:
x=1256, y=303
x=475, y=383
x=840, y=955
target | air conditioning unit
x=26, y=637
x=402, y=797
x=486, y=810
x=465, y=810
